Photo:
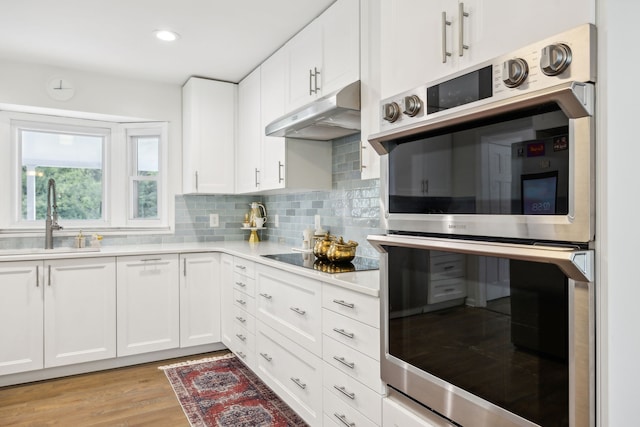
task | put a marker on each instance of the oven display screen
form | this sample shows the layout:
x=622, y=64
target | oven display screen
x=462, y=90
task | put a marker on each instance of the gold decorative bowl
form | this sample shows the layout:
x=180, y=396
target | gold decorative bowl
x=322, y=244
x=341, y=251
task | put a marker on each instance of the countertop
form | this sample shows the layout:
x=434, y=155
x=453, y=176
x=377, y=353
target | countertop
x=366, y=282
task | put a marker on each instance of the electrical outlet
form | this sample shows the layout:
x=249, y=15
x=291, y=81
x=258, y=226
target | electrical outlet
x=214, y=220
x=276, y=221
x=281, y=240
x=317, y=222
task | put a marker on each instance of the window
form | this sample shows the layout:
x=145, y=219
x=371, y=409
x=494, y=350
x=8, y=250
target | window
x=93, y=163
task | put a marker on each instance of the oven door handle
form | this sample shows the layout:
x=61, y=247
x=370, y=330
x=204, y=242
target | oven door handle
x=575, y=263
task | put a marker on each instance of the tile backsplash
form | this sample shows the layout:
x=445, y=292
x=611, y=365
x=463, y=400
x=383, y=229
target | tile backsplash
x=350, y=209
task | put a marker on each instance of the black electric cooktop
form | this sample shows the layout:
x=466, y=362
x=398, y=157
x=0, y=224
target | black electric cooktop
x=308, y=260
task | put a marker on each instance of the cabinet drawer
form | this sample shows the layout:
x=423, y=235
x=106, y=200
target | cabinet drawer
x=447, y=266
x=445, y=290
x=352, y=392
x=244, y=283
x=353, y=363
x=342, y=414
x=243, y=301
x=292, y=305
x=244, y=267
x=294, y=373
x=243, y=319
x=356, y=335
x=352, y=304
x=244, y=346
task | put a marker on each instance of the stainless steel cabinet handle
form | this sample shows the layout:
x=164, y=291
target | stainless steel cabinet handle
x=449, y=267
x=256, y=177
x=426, y=186
x=343, y=419
x=299, y=383
x=239, y=301
x=344, y=362
x=241, y=354
x=241, y=319
x=280, y=167
x=196, y=181
x=315, y=80
x=37, y=276
x=345, y=392
x=150, y=259
x=462, y=14
x=241, y=267
x=266, y=357
x=310, y=81
x=184, y=266
x=343, y=303
x=297, y=310
x=343, y=332
x=267, y=296
x=445, y=23
x=49, y=274
x=242, y=285
x=362, y=165
x=241, y=337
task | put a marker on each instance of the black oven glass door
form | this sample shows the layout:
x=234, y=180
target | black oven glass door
x=502, y=327
x=511, y=164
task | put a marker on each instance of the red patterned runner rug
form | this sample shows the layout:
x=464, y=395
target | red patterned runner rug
x=222, y=391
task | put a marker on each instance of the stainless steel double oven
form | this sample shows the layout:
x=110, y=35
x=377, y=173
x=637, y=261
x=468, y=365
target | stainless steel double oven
x=487, y=267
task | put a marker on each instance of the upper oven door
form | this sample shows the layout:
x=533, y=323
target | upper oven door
x=520, y=168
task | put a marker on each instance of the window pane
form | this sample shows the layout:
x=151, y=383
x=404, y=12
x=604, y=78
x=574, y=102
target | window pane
x=74, y=162
x=145, y=199
x=147, y=156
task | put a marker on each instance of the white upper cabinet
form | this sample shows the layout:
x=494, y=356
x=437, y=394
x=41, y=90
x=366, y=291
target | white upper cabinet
x=325, y=55
x=208, y=139
x=424, y=41
x=249, y=144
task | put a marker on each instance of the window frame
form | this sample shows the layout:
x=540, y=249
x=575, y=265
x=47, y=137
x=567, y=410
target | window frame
x=115, y=171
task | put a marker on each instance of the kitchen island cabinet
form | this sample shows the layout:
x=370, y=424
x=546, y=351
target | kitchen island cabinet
x=148, y=304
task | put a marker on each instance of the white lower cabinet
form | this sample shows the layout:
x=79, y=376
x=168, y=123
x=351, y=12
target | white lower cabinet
x=21, y=316
x=79, y=310
x=148, y=304
x=292, y=372
x=199, y=299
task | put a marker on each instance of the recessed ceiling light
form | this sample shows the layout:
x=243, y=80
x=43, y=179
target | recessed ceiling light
x=166, y=35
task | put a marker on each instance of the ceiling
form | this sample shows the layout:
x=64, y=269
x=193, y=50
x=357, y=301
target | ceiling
x=219, y=39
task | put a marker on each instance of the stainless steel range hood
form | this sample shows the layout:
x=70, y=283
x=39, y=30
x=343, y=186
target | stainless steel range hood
x=329, y=117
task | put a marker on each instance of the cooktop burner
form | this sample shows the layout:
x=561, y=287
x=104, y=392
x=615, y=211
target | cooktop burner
x=308, y=260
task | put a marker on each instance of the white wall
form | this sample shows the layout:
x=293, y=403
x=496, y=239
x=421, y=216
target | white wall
x=22, y=87
x=618, y=210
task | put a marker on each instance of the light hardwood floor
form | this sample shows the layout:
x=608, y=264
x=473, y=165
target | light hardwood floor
x=132, y=396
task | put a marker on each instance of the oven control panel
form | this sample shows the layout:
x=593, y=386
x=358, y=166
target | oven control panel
x=566, y=57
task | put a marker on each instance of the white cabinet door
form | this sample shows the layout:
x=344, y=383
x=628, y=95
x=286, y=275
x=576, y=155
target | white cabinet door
x=226, y=298
x=340, y=45
x=248, y=150
x=148, y=304
x=272, y=88
x=199, y=299
x=21, y=309
x=79, y=310
x=208, y=139
x=304, y=61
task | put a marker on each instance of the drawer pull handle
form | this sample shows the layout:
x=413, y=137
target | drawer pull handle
x=267, y=296
x=266, y=357
x=299, y=383
x=449, y=267
x=450, y=289
x=241, y=267
x=239, y=301
x=241, y=337
x=241, y=354
x=343, y=332
x=151, y=259
x=343, y=419
x=240, y=284
x=297, y=310
x=344, y=391
x=241, y=319
x=342, y=302
x=344, y=362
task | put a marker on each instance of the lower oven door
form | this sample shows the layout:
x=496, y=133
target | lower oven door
x=489, y=334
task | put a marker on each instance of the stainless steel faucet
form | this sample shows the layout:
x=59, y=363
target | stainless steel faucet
x=51, y=222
